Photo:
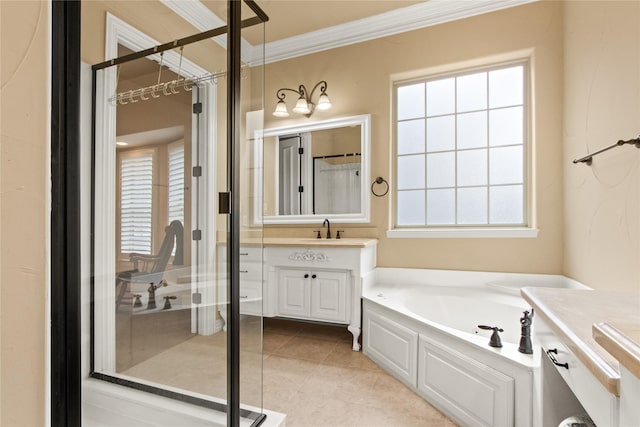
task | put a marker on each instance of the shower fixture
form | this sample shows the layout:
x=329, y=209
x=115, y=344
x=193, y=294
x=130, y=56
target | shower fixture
x=303, y=104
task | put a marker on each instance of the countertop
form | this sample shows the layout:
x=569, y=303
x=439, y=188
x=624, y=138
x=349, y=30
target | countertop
x=624, y=346
x=571, y=313
x=347, y=242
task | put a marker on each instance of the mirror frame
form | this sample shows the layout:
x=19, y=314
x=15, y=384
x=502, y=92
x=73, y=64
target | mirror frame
x=364, y=121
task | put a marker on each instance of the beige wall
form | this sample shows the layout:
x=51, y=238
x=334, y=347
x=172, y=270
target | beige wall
x=601, y=106
x=24, y=212
x=359, y=81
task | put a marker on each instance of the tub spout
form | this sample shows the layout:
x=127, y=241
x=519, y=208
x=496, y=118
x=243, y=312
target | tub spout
x=494, y=341
x=525, y=338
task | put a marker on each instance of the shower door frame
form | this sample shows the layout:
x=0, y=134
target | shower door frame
x=107, y=126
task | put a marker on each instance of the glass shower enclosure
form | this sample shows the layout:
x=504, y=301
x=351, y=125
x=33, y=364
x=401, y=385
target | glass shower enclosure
x=172, y=313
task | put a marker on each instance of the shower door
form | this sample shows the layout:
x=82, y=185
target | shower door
x=161, y=251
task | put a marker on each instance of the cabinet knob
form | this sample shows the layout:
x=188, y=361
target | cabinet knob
x=306, y=276
x=313, y=276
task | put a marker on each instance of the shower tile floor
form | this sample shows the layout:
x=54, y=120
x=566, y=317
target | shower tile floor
x=310, y=373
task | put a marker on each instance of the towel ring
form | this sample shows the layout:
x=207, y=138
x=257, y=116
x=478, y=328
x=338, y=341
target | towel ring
x=380, y=180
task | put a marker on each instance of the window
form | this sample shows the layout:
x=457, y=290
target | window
x=136, y=202
x=461, y=149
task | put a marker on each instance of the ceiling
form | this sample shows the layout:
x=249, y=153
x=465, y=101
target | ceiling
x=289, y=18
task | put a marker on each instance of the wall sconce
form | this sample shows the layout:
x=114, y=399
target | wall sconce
x=304, y=104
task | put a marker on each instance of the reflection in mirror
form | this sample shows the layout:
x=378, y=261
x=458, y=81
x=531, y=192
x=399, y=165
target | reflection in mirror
x=317, y=169
x=153, y=208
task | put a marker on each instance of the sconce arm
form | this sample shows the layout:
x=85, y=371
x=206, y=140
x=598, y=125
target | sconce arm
x=322, y=84
x=281, y=95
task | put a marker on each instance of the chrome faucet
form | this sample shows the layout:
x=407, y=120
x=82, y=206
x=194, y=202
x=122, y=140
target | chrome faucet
x=326, y=221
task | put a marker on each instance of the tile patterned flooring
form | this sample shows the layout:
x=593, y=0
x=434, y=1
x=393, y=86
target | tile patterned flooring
x=309, y=371
x=312, y=375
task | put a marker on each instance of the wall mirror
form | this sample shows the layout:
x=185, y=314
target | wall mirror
x=314, y=171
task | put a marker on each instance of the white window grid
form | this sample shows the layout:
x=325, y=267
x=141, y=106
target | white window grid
x=455, y=151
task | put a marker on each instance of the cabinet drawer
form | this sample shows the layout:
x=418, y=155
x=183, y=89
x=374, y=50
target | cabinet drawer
x=601, y=405
x=250, y=271
x=251, y=298
x=251, y=254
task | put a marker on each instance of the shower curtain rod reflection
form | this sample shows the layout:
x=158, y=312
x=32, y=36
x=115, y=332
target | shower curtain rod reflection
x=167, y=88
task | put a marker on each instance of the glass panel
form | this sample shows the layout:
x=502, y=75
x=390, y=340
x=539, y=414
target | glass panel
x=506, y=205
x=472, y=205
x=472, y=92
x=472, y=130
x=411, y=101
x=441, y=209
x=505, y=165
x=410, y=172
x=506, y=87
x=441, y=170
x=505, y=126
x=410, y=207
x=160, y=310
x=472, y=167
x=441, y=133
x=441, y=97
x=149, y=298
x=411, y=137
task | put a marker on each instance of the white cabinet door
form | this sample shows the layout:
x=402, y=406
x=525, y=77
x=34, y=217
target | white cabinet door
x=293, y=293
x=329, y=297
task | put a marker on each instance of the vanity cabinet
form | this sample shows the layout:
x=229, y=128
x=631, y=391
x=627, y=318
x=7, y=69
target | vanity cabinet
x=307, y=279
x=318, y=280
x=313, y=294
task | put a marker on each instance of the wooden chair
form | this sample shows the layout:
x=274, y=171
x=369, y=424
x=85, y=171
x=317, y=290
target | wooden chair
x=150, y=268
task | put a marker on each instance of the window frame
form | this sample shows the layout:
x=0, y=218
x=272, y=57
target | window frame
x=524, y=229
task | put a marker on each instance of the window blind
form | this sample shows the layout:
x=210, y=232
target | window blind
x=136, y=197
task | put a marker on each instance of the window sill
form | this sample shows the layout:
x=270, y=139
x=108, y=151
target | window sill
x=463, y=233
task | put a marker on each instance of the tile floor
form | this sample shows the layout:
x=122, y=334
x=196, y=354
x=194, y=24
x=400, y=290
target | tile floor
x=312, y=375
x=309, y=372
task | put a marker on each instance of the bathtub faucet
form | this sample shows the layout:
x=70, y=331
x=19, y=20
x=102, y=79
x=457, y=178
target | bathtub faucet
x=151, y=304
x=525, y=337
x=494, y=341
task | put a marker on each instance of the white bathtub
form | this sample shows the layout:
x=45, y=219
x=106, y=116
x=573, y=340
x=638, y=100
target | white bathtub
x=422, y=327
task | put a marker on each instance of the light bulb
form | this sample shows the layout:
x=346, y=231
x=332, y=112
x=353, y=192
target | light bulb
x=323, y=102
x=301, y=106
x=281, y=109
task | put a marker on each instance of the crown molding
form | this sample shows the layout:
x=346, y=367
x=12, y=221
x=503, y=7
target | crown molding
x=421, y=15
x=202, y=18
